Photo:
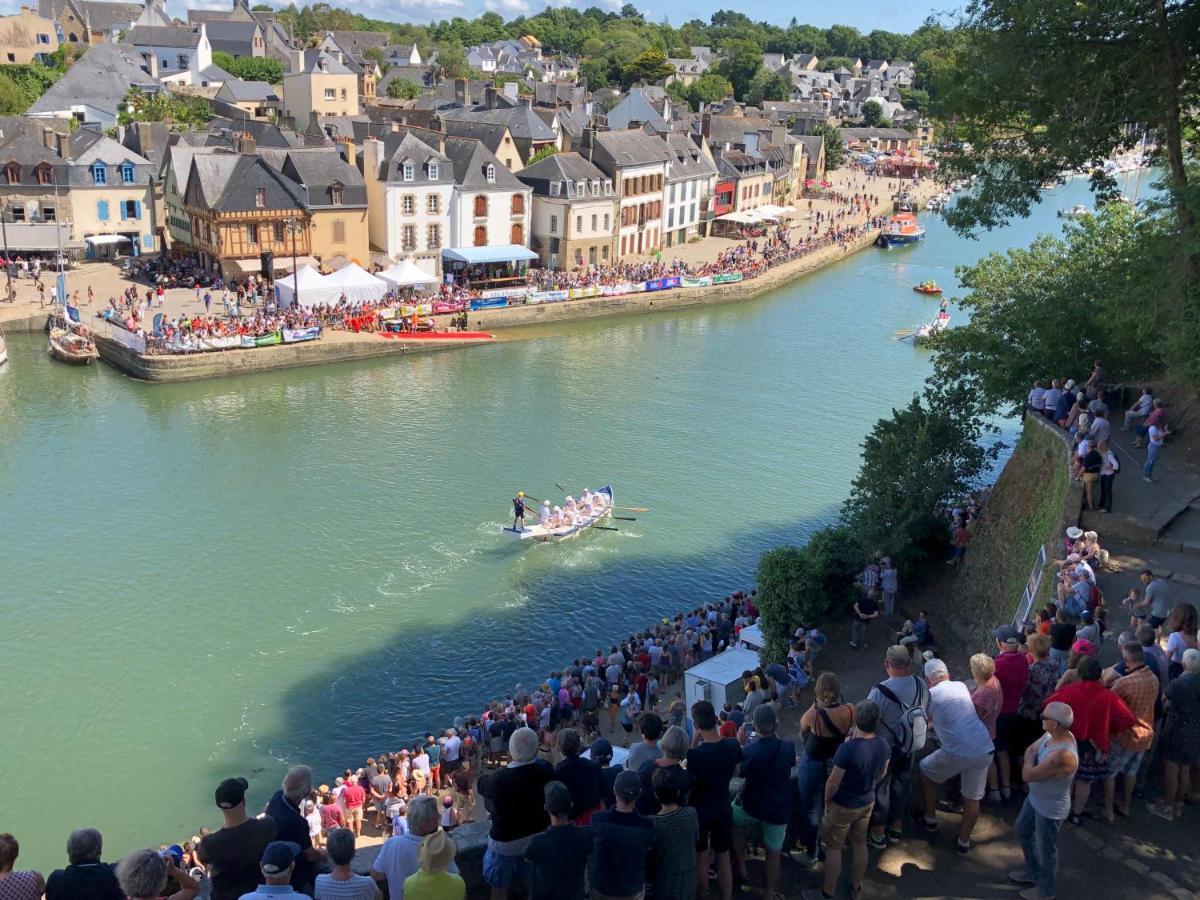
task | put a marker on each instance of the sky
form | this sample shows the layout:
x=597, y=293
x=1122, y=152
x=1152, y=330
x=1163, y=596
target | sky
x=866, y=15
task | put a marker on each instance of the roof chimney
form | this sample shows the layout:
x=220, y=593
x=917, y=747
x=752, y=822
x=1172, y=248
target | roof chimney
x=489, y=96
x=63, y=142
x=145, y=136
x=351, y=152
x=460, y=92
x=48, y=137
x=244, y=143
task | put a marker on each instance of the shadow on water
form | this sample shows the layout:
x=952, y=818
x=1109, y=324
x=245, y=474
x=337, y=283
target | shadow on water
x=369, y=687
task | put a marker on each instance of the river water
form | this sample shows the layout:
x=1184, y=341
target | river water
x=222, y=578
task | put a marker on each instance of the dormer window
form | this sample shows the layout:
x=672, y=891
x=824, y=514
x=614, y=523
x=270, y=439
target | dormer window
x=13, y=171
x=408, y=172
x=335, y=194
x=581, y=188
x=99, y=173
x=44, y=174
x=260, y=197
x=490, y=174
x=434, y=171
x=127, y=172
x=555, y=188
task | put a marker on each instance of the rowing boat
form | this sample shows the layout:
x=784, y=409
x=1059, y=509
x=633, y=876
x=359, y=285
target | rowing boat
x=541, y=532
x=69, y=347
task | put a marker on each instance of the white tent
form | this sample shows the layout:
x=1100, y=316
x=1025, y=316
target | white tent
x=407, y=274
x=356, y=283
x=311, y=286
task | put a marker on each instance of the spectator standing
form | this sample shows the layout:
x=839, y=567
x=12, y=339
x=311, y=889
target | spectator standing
x=1180, y=737
x=1062, y=638
x=1098, y=715
x=1156, y=600
x=354, y=797
x=433, y=879
x=144, y=874
x=1011, y=667
x=397, y=857
x=966, y=750
x=1138, y=687
x=866, y=608
x=291, y=826
x=514, y=819
x=1043, y=677
x=622, y=840
x=674, y=749
x=580, y=776
x=1109, y=467
x=651, y=728
x=710, y=766
x=233, y=853
x=903, y=701
x=1049, y=765
x=381, y=786
x=85, y=877
x=673, y=872
x=1155, y=436
x=889, y=584
x=342, y=883
x=766, y=796
x=858, y=766
x=14, y=885
x=558, y=856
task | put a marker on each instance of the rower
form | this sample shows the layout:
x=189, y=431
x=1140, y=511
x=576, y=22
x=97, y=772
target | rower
x=519, y=511
x=544, y=517
x=556, y=517
x=569, y=504
x=586, y=496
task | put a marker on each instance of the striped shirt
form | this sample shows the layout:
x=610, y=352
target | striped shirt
x=359, y=887
x=870, y=577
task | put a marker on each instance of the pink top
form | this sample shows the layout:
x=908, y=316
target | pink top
x=987, y=699
x=20, y=886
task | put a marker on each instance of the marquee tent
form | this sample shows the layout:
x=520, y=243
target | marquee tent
x=407, y=274
x=356, y=283
x=311, y=285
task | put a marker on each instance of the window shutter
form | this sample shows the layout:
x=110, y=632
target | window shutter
x=137, y=209
x=102, y=210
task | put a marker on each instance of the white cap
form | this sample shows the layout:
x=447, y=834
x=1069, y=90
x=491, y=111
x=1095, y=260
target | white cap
x=935, y=667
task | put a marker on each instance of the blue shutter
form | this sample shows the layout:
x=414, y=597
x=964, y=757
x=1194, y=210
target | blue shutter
x=102, y=210
x=137, y=207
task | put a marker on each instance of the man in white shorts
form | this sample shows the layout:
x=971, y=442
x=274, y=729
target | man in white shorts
x=966, y=750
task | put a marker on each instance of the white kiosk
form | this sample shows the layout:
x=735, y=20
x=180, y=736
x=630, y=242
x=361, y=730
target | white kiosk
x=752, y=637
x=719, y=678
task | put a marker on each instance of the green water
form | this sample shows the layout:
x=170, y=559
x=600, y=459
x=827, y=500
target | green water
x=222, y=578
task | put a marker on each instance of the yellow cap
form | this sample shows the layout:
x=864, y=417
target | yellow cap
x=520, y=493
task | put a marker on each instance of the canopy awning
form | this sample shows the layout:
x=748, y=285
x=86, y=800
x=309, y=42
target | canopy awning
x=253, y=266
x=742, y=218
x=101, y=239
x=473, y=256
x=770, y=209
x=38, y=236
x=406, y=273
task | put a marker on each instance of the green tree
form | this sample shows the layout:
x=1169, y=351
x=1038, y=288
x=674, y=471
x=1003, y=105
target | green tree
x=403, y=89
x=547, y=151
x=767, y=86
x=709, y=88
x=872, y=113
x=250, y=68
x=834, y=153
x=915, y=99
x=742, y=61
x=13, y=101
x=830, y=63
x=452, y=60
x=1050, y=310
x=844, y=40
x=927, y=452
x=649, y=67
x=596, y=72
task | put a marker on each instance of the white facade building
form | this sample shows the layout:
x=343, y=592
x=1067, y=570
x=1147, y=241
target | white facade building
x=410, y=186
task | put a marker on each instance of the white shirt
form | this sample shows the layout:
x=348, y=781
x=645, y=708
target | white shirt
x=1142, y=407
x=1156, y=435
x=956, y=722
x=397, y=860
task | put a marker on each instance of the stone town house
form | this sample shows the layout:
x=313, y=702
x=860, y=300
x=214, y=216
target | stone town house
x=637, y=164
x=575, y=211
x=489, y=205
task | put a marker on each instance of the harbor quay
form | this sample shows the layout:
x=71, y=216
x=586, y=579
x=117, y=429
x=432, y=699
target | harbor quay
x=824, y=231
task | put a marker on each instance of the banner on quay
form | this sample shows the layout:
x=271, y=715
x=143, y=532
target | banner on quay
x=123, y=336
x=727, y=278
x=548, y=296
x=689, y=282
x=580, y=293
x=449, y=306
x=489, y=303
x=299, y=335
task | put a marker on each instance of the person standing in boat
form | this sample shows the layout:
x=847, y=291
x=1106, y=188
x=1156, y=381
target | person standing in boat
x=544, y=517
x=519, y=511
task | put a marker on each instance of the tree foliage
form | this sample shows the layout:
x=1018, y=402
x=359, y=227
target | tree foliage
x=177, y=109
x=767, y=85
x=21, y=85
x=872, y=113
x=834, y=153
x=250, y=68
x=648, y=67
x=741, y=64
x=403, y=89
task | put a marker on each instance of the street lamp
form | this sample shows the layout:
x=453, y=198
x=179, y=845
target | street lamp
x=11, y=295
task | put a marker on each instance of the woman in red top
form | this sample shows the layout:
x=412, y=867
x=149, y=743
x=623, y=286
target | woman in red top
x=1099, y=714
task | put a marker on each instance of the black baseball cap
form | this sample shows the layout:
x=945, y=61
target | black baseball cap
x=231, y=792
x=278, y=856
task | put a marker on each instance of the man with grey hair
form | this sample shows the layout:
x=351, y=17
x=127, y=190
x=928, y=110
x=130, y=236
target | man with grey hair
x=899, y=697
x=85, y=877
x=515, y=818
x=143, y=875
x=290, y=825
x=342, y=883
x=966, y=749
x=1048, y=768
x=1180, y=737
x=397, y=857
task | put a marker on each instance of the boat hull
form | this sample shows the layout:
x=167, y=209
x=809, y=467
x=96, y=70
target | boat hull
x=542, y=533
x=928, y=291
x=73, y=352
x=900, y=240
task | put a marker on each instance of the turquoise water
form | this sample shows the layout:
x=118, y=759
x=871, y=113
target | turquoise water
x=223, y=578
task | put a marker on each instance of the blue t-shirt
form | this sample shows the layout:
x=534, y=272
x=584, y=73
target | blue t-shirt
x=861, y=760
x=767, y=767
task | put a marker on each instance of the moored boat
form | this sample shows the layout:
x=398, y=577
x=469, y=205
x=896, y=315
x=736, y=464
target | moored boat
x=72, y=348
x=901, y=230
x=541, y=532
x=3, y=350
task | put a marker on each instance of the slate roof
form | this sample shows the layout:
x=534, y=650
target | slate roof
x=265, y=134
x=687, y=160
x=408, y=145
x=105, y=16
x=358, y=41
x=522, y=122
x=245, y=91
x=232, y=36
x=491, y=136
x=630, y=148
x=636, y=106
x=471, y=159
x=159, y=134
x=317, y=170
x=312, y=63
x=884, y=134
x=229, y=182
x=100, y=79
x=159, y=36
x=568, y=169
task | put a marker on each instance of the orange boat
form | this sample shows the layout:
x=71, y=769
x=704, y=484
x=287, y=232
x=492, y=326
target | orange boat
x=927, y=287
x=902, y=229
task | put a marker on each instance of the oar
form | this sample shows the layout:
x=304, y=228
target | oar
x=633, y=508
x=623, y=518
x=605, y=528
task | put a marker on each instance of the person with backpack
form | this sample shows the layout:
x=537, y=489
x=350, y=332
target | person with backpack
x=903, y=700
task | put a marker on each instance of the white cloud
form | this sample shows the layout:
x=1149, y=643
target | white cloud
x=507, y=8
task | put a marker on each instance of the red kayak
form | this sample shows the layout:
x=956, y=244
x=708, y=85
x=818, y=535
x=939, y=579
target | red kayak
x=439, y=335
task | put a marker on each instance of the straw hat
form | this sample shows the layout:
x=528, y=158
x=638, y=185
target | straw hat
x=437, y=852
